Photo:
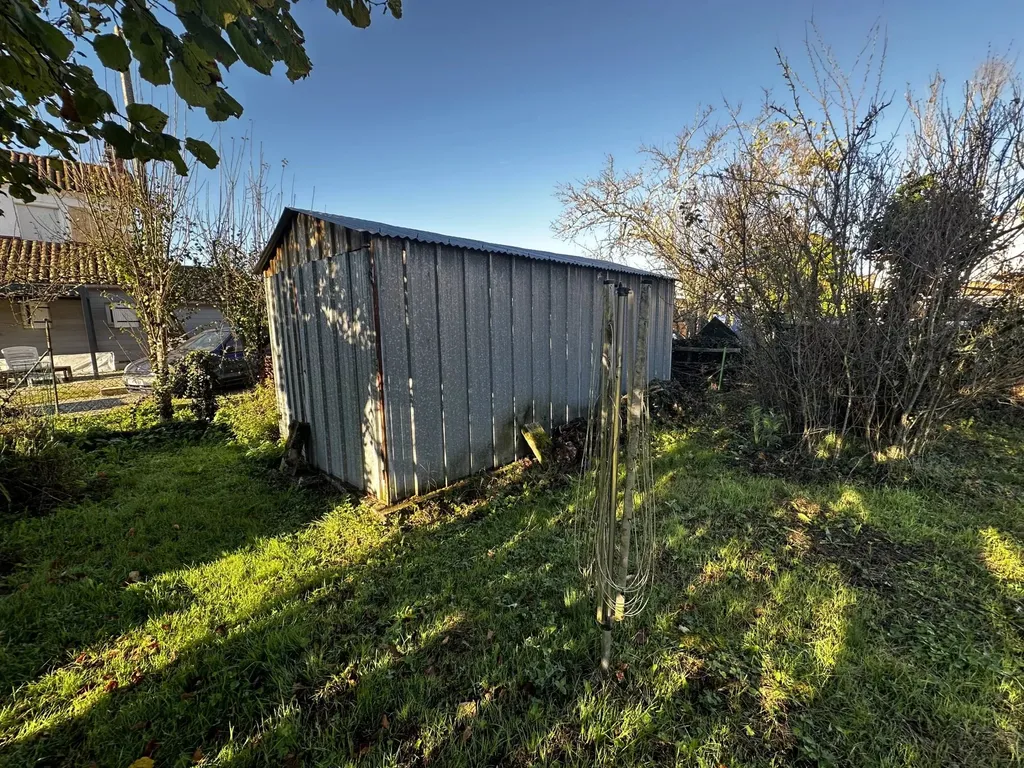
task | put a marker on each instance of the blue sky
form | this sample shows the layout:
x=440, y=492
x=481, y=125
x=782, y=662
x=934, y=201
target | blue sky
x=465, y=115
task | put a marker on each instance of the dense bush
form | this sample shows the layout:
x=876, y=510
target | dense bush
x=251, y=416
x=38, y=471
x=193, y=377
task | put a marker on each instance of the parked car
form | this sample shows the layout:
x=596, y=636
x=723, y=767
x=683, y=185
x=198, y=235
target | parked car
x=230, y=369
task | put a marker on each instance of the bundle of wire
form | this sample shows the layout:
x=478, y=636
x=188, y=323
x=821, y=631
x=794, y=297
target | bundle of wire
x=616, y=529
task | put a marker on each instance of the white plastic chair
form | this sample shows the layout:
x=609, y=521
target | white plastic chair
x=23, y=360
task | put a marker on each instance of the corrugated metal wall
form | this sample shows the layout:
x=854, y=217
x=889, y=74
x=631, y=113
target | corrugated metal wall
x=472, y=345
x=476, y=344
x=320, y=300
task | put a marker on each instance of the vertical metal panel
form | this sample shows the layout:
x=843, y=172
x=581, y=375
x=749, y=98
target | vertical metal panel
x=287, y=327
x=575, y=311
x=365, y=394
x=596, y=320
x=669, y=288
x=559, y=344
x=335, y=435
x=394, y=347
x=425, y=369
x=522, y=349
x=451, y=281
x=300, y=373
x=658, y=327
x=343, y=389
x=310, y=331
x=503, y=413
x=541, y=343
x=271, y=283
x=478, y=360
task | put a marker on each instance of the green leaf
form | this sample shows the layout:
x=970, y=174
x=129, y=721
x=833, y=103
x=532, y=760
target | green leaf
x=191, y=92
x=224, y=106
x=395, y=6
x=119, y=138
x=250, y=53
x=203, y=152
x=148, y=116
x=358, y=13
x=75, y=20
x=112, y=52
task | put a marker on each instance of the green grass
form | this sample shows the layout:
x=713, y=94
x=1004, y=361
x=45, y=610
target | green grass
x=826, y=623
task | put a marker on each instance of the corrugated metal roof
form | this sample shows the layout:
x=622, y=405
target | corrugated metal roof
x=404, y=233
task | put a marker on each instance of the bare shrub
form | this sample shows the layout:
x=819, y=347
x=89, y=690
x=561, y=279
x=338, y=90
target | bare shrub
x=871, y=262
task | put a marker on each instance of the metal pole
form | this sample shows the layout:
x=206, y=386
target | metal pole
x=604, y=459
x=53, y=367
x=633, y=417
x=622, y=296
x=128, y=90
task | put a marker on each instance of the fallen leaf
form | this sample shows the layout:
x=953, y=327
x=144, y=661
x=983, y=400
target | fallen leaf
x=176, y=527
x=291, y=760
x=142, y=762
x=187, y=696
x=110, y=686
x=430, y=671
x=141, y=725
x=80, y=658
x=197, y=756
x=137, y=677
x=384, y=722
x=467, y=709
x=165, y=627
x=134, y=577
x=221, y=630
x=131, y=532
x=151, y=746
x=364, y=748
x=490, y=634
x=445, y=641
x=466, y=734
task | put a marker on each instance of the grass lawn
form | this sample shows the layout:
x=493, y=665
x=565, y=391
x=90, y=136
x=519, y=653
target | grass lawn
x=200, y=611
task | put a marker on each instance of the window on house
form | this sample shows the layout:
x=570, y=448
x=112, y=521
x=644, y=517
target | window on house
x=35, y=314
x=39, y=221
x=123, y=316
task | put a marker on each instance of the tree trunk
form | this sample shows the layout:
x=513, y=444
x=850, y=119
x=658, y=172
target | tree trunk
x=162, y=384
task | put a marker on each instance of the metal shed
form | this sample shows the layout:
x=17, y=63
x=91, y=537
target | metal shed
x=416, y=357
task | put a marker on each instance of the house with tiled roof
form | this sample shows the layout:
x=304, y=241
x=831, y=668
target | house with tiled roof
x=48, y=277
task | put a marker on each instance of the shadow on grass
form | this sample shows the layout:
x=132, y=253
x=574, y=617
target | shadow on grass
x=458, y=635
x=84, y=573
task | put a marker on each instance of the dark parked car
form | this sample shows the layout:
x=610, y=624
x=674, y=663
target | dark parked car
x=230, y=369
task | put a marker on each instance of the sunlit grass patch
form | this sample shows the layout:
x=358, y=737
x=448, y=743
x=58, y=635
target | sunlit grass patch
x=204, y=604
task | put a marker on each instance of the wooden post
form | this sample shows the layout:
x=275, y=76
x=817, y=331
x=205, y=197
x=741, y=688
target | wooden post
x=633, y=416
x=90, y=329
x=721, y=370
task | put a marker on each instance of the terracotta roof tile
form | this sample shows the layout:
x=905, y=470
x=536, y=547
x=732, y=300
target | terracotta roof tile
x=37, y=261
x=63, y=174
